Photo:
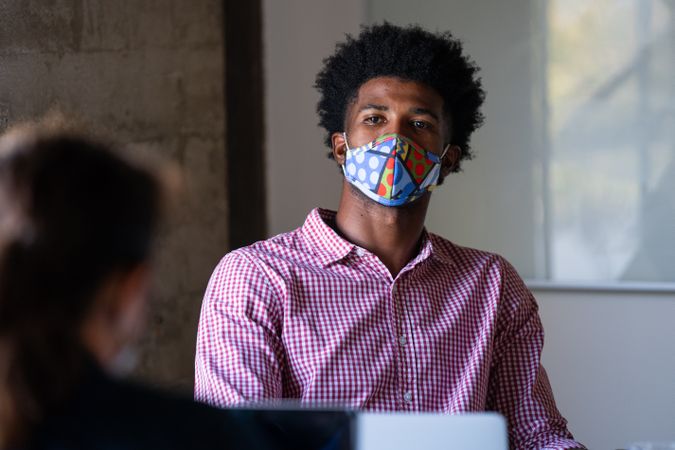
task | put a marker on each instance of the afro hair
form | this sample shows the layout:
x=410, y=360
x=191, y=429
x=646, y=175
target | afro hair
x=409, y=53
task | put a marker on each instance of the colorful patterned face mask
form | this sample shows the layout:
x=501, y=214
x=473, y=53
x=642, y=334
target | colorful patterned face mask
x=392, y=170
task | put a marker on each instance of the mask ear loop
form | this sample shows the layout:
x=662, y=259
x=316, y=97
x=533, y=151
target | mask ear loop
x=344, y=134
x=440, y=161
x=445, y=150
x=344, y=164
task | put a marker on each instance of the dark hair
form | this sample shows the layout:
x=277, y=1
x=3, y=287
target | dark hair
x=410, y=53
x=73, y=213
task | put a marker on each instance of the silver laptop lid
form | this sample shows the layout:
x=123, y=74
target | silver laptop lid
x=403, y=431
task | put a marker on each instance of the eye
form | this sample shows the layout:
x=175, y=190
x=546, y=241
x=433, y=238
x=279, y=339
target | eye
x=421, y=124
x=373, y=120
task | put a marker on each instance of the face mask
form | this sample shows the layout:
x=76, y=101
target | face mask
x=392, y=170
x=124, y=362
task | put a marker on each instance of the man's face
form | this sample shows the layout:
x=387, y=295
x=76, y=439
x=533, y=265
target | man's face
x=391, y=105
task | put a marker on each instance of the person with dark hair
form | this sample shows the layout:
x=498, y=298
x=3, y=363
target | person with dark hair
x=76, y=229
x=364, y=307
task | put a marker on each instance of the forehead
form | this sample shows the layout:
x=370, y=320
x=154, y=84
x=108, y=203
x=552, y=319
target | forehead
x=392, y=91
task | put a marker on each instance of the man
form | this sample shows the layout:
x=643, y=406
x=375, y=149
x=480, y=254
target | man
x=364, y=307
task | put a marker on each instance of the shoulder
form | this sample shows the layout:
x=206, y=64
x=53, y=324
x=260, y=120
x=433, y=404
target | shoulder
x=282, y=247
x=126, y=401
x=260, y=272
x=272, y=259
x=467, y=258
x=107, y=413
x=288, y=246
x=471, y=266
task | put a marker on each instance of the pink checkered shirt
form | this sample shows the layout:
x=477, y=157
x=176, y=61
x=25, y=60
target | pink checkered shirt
x=307, y=315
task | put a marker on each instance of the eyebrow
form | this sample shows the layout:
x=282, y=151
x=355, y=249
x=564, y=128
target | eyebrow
x=424, y=111
x=377, y=107
x=374, y=106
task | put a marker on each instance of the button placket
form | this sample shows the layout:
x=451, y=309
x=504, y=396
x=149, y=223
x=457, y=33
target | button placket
x=407, y=358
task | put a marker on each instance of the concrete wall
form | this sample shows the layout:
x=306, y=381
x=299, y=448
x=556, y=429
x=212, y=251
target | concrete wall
x=151, y=74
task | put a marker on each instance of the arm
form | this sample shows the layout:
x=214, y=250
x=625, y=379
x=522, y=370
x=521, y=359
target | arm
x=519, y=387
x=239, y=351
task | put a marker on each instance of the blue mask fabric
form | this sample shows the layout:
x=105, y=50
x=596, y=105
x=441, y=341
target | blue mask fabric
x=392, y=170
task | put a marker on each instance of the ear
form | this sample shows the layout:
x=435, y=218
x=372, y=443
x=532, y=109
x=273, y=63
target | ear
x=123, y=301
x=339, y=147
x=117, y=315
x=133, y=287
x=450, y=161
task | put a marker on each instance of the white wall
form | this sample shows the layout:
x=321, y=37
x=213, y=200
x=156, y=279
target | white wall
x=611, y=361
x=298, y=35
x=608, y=355
x=498, y=36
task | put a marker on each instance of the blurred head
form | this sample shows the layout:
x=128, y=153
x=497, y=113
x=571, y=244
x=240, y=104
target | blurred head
x=76, y=228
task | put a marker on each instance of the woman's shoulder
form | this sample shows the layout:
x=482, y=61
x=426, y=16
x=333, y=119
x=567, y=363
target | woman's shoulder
x=106, y=413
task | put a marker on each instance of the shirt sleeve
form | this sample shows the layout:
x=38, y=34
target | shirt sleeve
x=239, y=352
x=519, y=387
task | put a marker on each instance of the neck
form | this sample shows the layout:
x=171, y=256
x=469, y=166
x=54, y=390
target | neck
x=391, y=233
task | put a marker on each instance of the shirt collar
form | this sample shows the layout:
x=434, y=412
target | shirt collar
x=330, y=247
x=327, y=245
x=437, y=249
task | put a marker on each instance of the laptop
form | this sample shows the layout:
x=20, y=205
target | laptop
x=290, y=427
x=403, y=431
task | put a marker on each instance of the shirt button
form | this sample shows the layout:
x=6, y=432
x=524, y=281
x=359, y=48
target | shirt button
x=360, y=252
x=402, y=340
x=407, y=397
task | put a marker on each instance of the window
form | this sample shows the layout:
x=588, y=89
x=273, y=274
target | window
x=610, y=190
x=574, y=176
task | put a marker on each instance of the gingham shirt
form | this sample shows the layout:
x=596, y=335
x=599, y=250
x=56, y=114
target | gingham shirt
x=308, y=315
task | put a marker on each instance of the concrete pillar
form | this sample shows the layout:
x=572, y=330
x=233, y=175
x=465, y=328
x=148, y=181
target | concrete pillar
x=149, y=73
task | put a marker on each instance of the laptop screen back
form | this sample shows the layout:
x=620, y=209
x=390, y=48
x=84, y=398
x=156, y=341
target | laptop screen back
x=399, y=431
